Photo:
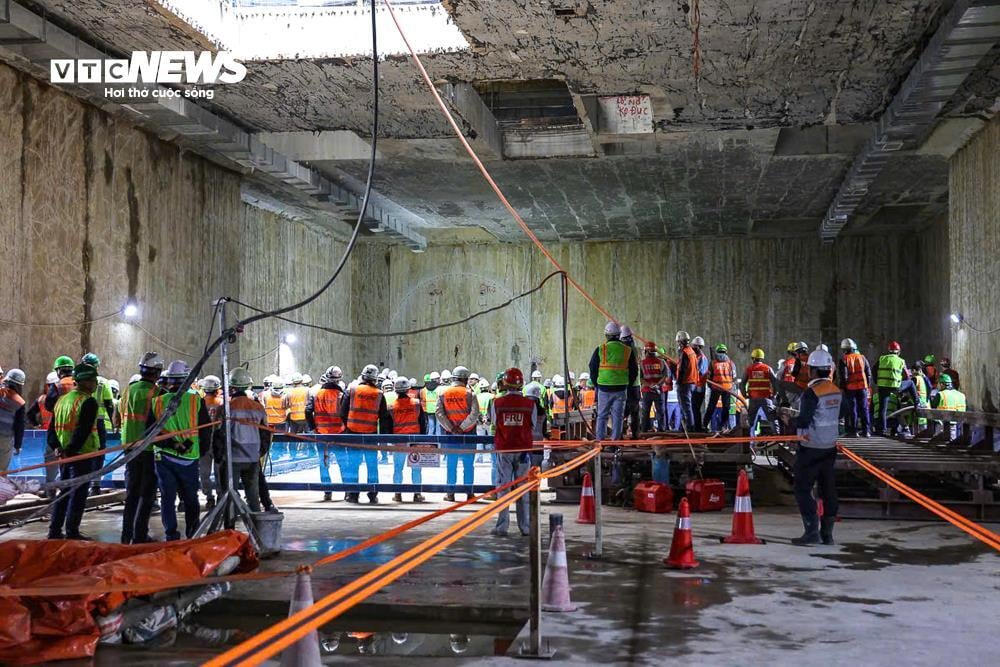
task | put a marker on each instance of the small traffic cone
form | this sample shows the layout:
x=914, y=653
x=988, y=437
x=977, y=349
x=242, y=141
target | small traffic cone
x=555, y=582
x=681, y=547
x=742, y=515
x=587, y=511
x=305, y=652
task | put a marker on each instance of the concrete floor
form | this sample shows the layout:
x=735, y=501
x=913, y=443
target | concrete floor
x=890, y=591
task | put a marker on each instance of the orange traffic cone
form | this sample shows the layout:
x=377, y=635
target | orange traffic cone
x=305, y=652
x=555, y=582
x=742, y=515
x=681, y=547
x=587, y=513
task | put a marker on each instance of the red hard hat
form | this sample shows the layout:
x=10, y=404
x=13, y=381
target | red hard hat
x=513, y=378
x=650, y=346
x=894, y=346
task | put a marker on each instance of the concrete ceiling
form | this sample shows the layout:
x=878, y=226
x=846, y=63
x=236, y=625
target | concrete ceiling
x=757, y=144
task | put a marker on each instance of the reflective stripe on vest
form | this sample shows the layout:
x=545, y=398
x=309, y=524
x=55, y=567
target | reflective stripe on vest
x=890, y=371
x=759, y=380
x=65, y=417
x=653, y=370
x=137, y=400
x=854, y=366
x=326, y=411
x=951, y=399
x=44, y=414
x=613, y=369
x=297, y=398
x=429, y=400
x=722, y=373
x=276, y=408
x=362, y=416
x=183, y=419
x=484, y=398
x=405, y=415
x=825, y=427
x=561, y=405
x=456, y=404
x=588, y=398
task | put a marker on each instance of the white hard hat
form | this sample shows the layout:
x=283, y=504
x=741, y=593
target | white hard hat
x=14, y=376
x=402, y=384
x=435, y=376
x=383, y=374
x=584, y=376
x=211, y=383
x=484, y=383
x=177, y=369
x=536, y=375
x=820, y=359
x=848, y=344
x=134, y=378
x=533, y=390
x=460, y=373
x=151, y=360
x=370, y=373
x=572, y=375
x=822, y=346
x=698, y=340
x=114, y=385
x=296, y=378
x=393, y=375
x=445, y=375
x=682, y=337
x=53, y=378
x=413, y=382
x=612, y=329
x=473, y=377
x=558, y=381
x=306, y=378
x=548, y=383
x=626, y=332
x=387, y=384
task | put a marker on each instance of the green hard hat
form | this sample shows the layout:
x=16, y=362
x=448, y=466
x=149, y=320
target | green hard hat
x=91, y=359
x=63, y=362
x=945, y=380
x=84, y=372
x=427, y=377
x=721, y=347
x=930, y=359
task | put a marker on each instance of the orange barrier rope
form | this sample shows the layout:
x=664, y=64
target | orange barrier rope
x=166, y=435
x=981, y=533
x=274, y=639
x=683, y=441
x=572, y=464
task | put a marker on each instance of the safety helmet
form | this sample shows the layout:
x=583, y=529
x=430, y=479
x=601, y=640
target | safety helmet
x=945, y=380
x=427, y=377
x=558, y=381
x=134, y=378
x=572, y=376
x=177, y=369
x=151, y=360
x=334, y=372
x=383, y=374
x=413, y=382
x=801, y=346
x=848, y=344
x=536, y=375
x=296, y=378
x=52, y=378
x=84, y=372
x=584, y=376
x=387, y=384
x=548, y=383
x=484, y=384
x=698, y=340
x=446, y=375
x=114, y=385
x=63, y=362
x=532, y=390
x=239, y=378
x=612, y=329
x=370, y=374
x=277, y=384
x=460, y=373
x=757, y=353
x=930, y=359
x=820, y=359
x=626, y=332
x=211, y=383
x=433, y=377
x=822, y=346
x=682, y=337
x=894, y=346
x=14, y=376
x=402, y=385
x=649, y=347
x=91, y=359
x=791, y=347
x=306, y=378
x=513, y=378
x=721, y=348
x=473, y=378
x=393, y=375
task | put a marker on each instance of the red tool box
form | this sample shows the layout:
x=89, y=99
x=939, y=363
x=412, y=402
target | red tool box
x=706, y=495
x=653, y=497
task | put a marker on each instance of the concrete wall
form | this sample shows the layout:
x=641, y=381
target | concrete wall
x=974, y=235
x=94, y=212
x=746, y=293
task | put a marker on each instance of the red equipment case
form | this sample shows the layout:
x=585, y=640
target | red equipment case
x=706, y=495
x=653, y=497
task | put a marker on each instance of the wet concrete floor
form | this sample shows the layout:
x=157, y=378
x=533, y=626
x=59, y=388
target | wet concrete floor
x=890, y=592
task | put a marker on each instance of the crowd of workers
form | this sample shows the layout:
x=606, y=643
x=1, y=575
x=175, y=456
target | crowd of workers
x=690, y=391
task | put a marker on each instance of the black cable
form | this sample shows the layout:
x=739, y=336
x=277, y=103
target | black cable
x=390, y=334
x=230, y=333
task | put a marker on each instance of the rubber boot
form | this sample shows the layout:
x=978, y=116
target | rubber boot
x=327, y=496
x=373, y=498
x=418, y=498
x=826, y=529
x=397, y=497
x=449, y=497
x=811, y=534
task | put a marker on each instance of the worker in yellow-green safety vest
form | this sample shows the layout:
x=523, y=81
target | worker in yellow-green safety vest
x=73, y=431
x=892, y=378
x=949, y=398
x=140, y=472
x=176, y=459
x=616, y=369
x=105, y=408
x=429, y=402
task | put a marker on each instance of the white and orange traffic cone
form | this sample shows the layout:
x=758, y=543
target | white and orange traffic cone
x=682, y=546
x=305, y=652
x=742, y=515
x=555, y=582
x=587, y=510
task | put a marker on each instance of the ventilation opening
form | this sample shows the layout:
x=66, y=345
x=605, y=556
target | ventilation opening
x=525, y=105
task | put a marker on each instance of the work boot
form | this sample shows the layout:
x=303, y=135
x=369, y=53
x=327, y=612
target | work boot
x=327, y=496
x=811, y=533
x=449, y=497
x=397, y=497
x=352, y=498
x=419, y=498
x=373, y=498
x=826, y=529
x=210, y=502
x=469, y=496
x=79, y=537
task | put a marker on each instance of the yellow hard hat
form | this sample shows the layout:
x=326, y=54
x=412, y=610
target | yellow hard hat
x=757, y=353
x=791, y=346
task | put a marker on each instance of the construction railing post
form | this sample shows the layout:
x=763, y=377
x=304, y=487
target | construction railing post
x=598, y=512
x=567, y=387
x=535, y=596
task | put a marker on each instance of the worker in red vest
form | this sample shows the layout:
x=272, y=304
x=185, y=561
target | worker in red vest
x=722, y=376
x=458, y=414
x=364, y=410
x=323, y=415
x=652, y=372
x=38, y=415
x=514, y=417
x=855, y=381
x=761, y=385
x=407, y=419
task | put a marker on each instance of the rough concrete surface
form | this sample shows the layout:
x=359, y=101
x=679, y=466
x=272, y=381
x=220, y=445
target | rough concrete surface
x=889, y=591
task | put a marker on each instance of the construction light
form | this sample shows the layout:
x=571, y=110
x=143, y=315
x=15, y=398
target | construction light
x=130, y=310
x=956, y=318
x=290, y=339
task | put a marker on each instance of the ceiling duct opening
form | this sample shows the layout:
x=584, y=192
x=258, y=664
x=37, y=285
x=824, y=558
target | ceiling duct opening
x=531, y=105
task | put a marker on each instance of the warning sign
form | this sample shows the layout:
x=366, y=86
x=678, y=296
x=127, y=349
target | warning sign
x=424, y=459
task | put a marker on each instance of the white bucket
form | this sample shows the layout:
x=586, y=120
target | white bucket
x=268, y=526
